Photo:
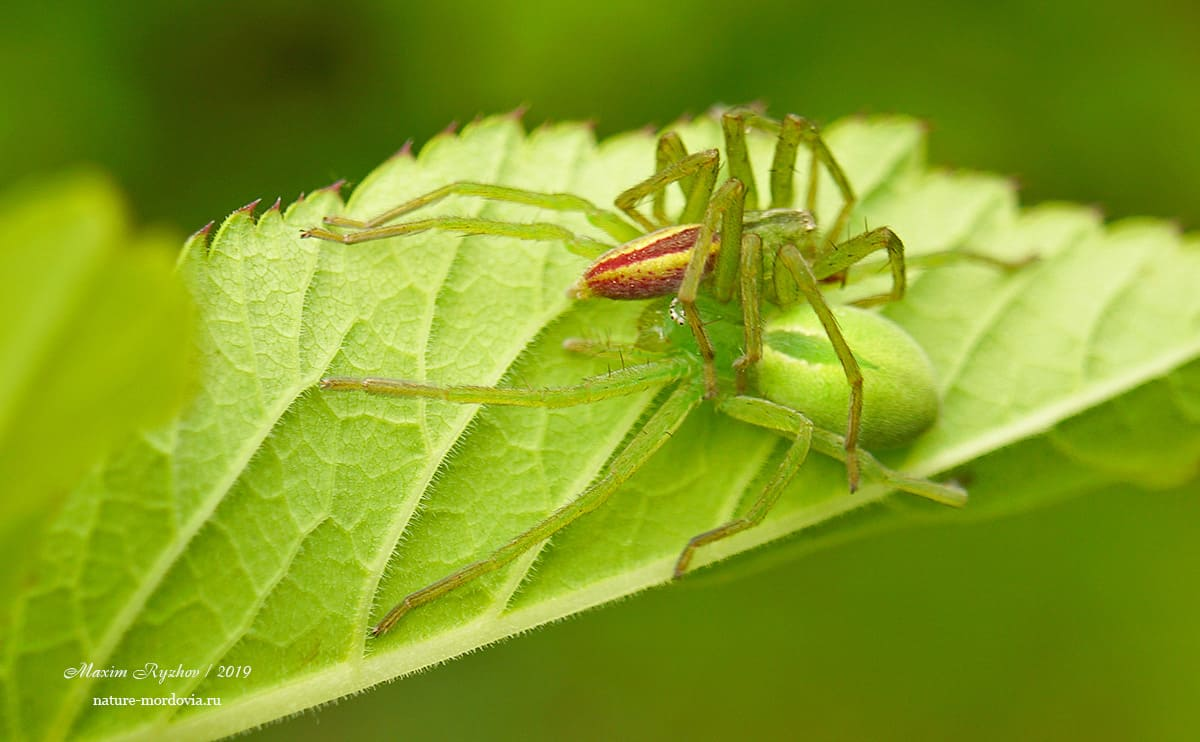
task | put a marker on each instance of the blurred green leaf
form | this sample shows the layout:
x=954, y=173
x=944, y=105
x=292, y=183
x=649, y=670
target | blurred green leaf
x=95, y=344
x=270, y=524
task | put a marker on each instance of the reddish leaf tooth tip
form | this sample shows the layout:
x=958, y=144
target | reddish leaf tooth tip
x=450, y=129
x=405, y=151
x=518, y=113
x=203, y=231
x=249, y=208
x=277, y=205
x=300, y=198
x=335, y=187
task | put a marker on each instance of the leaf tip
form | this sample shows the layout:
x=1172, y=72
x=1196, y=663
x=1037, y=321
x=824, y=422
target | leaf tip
x=405, y=152
x=335, y=187
x=249, y=208
x=203, y=232
x=276, y=207
x=449, y=131
x=197, y=240
x=517, y=114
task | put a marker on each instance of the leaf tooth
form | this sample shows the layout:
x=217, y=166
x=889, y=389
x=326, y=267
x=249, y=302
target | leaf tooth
x=248, y=209
x=203, y=232
x=518, y=113
x=405, y=151
x=335, y=187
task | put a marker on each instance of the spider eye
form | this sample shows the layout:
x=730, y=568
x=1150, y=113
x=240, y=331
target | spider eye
x=800, y=369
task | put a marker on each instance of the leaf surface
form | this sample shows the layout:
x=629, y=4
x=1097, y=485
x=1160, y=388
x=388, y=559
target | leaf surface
x=271, y=524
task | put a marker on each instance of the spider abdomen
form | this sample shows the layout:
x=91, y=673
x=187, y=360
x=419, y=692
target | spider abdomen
x=647, y=267
x=800, y=369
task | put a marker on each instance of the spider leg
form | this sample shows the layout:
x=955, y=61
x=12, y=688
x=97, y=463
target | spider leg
x=669, y=151
x=656, y=430
x=793, y=262
x=751, y=286
x=535, y=231
x=702, y=166
x=950, y=257
x=624, y=352
x=792, y=461
x=794, y=424
x=724, y=207
x=733, y=126
x=615, y=384
x=822, y=156
x=790, y=133
x=784, y=419
x=611, y=223
x=846, y=254
x=794, y=131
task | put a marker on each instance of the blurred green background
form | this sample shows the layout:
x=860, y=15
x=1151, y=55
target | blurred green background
x=1076, y=621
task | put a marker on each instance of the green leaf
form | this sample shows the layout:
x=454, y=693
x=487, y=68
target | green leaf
x=95, y=341
x=271, y=524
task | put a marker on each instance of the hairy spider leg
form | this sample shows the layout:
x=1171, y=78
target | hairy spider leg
x=804, y=280
x=619, y=383
x=724, y=207
x=610, y=349
x=534, y=231
x=793, y=132
x=751, y=287
x=670, y=150
x=949, y=257
x=783, y=419
x=733, y=128
x=783, y=167
x=780, y=418
x=703, y=207
x=847, y=253
x=702, y=167
x=792, y=461
x=644, y=443
x=609, y=221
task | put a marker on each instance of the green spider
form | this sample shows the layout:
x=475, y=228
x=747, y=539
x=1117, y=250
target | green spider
x=720, y=338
